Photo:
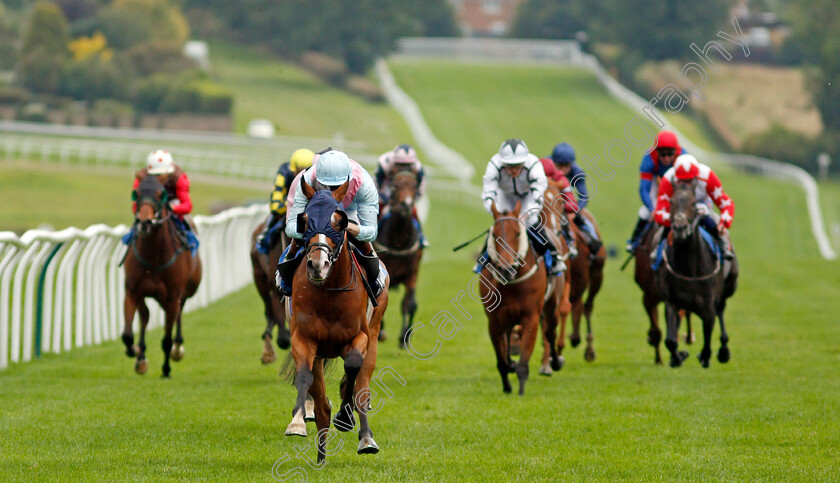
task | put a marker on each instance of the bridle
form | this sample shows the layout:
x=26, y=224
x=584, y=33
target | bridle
x=332, y=254
x=521, y=254
x=692, y=228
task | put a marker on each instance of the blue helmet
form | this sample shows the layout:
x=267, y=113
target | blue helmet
x=563, y=153
x=333, y=168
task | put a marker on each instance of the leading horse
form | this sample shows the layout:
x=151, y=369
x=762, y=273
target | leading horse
x=692, y=277
x=331, y=318
x=159, y=265
x=274, y=308
x=400, y=246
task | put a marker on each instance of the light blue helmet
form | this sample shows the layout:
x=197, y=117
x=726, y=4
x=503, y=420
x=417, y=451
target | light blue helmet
x=333, y=168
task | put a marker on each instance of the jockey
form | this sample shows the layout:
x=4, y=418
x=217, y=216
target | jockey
x=654, y=165
x=514, y=174
x=177, y=186
x=707, y=189
x=571, y=206
x=276, y=223
x=563, y=156
x=330, y=169
x=401, y=158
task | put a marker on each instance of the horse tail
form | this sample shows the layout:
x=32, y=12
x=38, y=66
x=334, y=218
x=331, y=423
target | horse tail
x=288, y=369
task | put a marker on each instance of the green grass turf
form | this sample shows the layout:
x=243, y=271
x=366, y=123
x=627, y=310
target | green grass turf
x=770, y=414
x=32, y=194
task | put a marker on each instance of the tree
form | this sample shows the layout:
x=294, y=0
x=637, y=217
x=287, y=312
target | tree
x=550, y=19
x=45, y=52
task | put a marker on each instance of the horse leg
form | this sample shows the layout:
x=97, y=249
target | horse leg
x=141, y=365
x=362, y=396
x=303, y=353
x=690, y=338
x=268, y=355
x=409, y=307
x=672, y=318
x=564, y=311
x=318, y=391
x=577, y=312
x=529, y=338
x=284, y=336
x=498, y=336
x=172, y=310
x=353, y=359
x=651, y=303
x=596, y=278
x=723, y=352
x=708, y=326
x=545, y=368
x=129, y=307
x=177, y=352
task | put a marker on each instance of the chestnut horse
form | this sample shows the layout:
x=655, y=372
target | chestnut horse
x=274, y=308
x=400, y=247
x=515, y=273
x=158, y=264
x=329, y=309
x=693, y=278
x=586, y=273
x=646, y=280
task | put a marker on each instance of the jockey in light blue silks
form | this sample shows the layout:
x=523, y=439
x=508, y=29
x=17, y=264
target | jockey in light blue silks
x=330, y=169
x=514, y=174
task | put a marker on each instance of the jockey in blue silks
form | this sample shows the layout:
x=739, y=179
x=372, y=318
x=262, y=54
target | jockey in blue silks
x=330, y=169
x=563, y=156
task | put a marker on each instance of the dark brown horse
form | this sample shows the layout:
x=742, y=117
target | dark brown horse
x=399, y=245
x=331, y=318
x=274, y=308
x=646, y=280
x=516, y=275
x=586, y=273
x=692, y=277
x=159, y=265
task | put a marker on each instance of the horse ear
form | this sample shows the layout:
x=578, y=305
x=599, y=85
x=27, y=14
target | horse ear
x=517, y=207
x=339, y=193
x=342, y=220
x=493, y=209
x=301, y=223
x=307, y=190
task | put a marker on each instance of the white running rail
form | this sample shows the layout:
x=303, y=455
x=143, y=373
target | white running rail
x=65, y=289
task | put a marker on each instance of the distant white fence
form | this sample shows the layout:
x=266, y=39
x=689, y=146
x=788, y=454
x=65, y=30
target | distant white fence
x=65, y=289
x=568, y=53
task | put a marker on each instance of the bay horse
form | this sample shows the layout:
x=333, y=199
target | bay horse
x=399, y=245
x=646, y=280
x=515, y=273
x=158, y=264
x=331, y=318
x=557, y=306
x=586, y=274
x=274, y=308
x=692, y=277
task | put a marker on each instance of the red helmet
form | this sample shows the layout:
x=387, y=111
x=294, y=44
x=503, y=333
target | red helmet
x=686, y=167
x=667, y=139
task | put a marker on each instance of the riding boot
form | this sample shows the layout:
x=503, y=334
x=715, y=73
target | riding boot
x=370, y=263
x=592, y=240
x=633, y=241
x=724, y=248
x=543, y=246
x=264, y=244
x=287, y=266
x=570, y=240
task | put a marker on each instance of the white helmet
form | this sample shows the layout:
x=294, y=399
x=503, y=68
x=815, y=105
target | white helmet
x=333, y=168
x=160, y=162
x=513, y=151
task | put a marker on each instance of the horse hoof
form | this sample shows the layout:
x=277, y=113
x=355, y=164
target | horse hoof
x=130, y=352
x=690, y=338
x=574, y=340
x=344, y=420
x=723, y=355
x=545, y=370
x=704, y=362
x=140, y=367
x=512, y=365
x=676, y=361
x=135, y=349
x=367, y=446
x=507, y=389
x=558, y=363
x=309, y=410
x=589, y=355
x=382, y=337
x=284, y=339
x=177, y=352
x=296, y=429
x=268, y=357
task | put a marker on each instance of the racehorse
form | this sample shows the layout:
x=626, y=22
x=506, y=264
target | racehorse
x=557, y=304
x=646, y=280
x=275, y=311
x=399, y=245
x=693, y=278
x=158, y=264
x=586, y=273
x=331, y=318
x=513, y=272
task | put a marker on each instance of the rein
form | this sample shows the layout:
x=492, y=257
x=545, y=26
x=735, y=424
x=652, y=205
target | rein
x=332, y=256
x=521, y=254
x=693, y=232
x=156, y=221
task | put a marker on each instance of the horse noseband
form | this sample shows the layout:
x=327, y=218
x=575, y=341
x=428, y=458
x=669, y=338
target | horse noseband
x=332, y=253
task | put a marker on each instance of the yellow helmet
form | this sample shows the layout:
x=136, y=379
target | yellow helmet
x=301, y=159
